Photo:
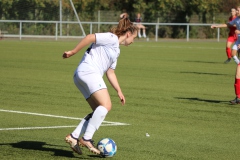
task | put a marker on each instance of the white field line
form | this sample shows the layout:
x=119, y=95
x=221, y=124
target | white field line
x=54, y=127
x=105, y=123
x=29, y=128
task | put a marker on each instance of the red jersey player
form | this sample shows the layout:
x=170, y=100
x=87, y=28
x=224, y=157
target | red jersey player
x=232, y=37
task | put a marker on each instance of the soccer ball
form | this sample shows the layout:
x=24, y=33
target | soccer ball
x=107, y=147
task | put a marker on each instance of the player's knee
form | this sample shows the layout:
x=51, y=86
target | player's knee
x=234, y=52
x=108, y=105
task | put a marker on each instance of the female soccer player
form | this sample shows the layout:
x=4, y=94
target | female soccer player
x=231, y=36
x=101, y=57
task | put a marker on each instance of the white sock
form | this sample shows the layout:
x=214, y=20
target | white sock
x=139, y=34
x=144, y=34
x=235, y=58
x=94, y=123
x=81, y=128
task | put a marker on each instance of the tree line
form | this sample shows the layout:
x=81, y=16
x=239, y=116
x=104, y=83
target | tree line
x=167, y=11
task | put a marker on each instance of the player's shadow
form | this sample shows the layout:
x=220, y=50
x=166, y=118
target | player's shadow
x=214, y=74
x=40, y=146
x=205, y=62
x=43, y=146
x=202, y=100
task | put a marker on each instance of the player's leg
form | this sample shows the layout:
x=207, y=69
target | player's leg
x=72, y=138
x=102, y=104
x=237, y=86
x=144, y=30
x=95, y=92
x=234, y=53
x=82, y=126
x=139, y=30
x=140, y=26
x=230, y=41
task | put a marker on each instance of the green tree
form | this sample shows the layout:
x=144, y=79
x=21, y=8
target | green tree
x=5, y=6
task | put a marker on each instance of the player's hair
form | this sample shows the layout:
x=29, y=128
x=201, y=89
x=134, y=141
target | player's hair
x=124, y=26
x=234, y=9
x=124, y=15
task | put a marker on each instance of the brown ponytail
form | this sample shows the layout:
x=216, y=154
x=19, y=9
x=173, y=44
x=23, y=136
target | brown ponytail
x=124, y=26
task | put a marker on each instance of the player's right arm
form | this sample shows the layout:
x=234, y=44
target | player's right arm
x=222, y=25
x=89, y=39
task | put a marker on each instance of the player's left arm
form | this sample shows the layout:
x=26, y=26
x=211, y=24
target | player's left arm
x=112, y=78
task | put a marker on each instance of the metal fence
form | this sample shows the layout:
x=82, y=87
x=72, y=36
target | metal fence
x=25, y=28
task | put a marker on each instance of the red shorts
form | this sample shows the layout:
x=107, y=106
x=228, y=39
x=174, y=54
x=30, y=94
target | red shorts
x=231, y=39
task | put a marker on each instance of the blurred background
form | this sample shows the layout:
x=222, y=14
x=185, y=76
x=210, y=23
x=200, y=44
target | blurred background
x=173, y=19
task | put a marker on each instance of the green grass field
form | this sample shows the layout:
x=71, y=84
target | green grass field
x=178, y=92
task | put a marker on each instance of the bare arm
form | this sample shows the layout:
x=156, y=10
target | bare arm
x=237, y=31
x=112, y=78
x=222, y=25
x=83, y=43
x=219, y=26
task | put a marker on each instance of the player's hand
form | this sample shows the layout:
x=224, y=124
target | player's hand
x=213, y=26
x=67, y=54
x=122, y=98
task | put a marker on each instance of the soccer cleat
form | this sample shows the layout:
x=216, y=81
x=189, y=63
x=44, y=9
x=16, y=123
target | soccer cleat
x=73, y=142
x=88, y=144
x=235, y=101
x=228, y=60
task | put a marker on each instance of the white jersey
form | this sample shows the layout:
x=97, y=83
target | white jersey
x=102, y=55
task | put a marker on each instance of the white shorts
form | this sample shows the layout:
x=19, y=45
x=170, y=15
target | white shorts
x=235, y=46
x=88, y=82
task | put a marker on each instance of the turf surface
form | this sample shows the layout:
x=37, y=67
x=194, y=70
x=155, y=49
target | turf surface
x=178, y=92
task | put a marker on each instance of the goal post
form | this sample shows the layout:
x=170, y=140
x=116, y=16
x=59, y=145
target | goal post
x=75, y=12
x=79, y=22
